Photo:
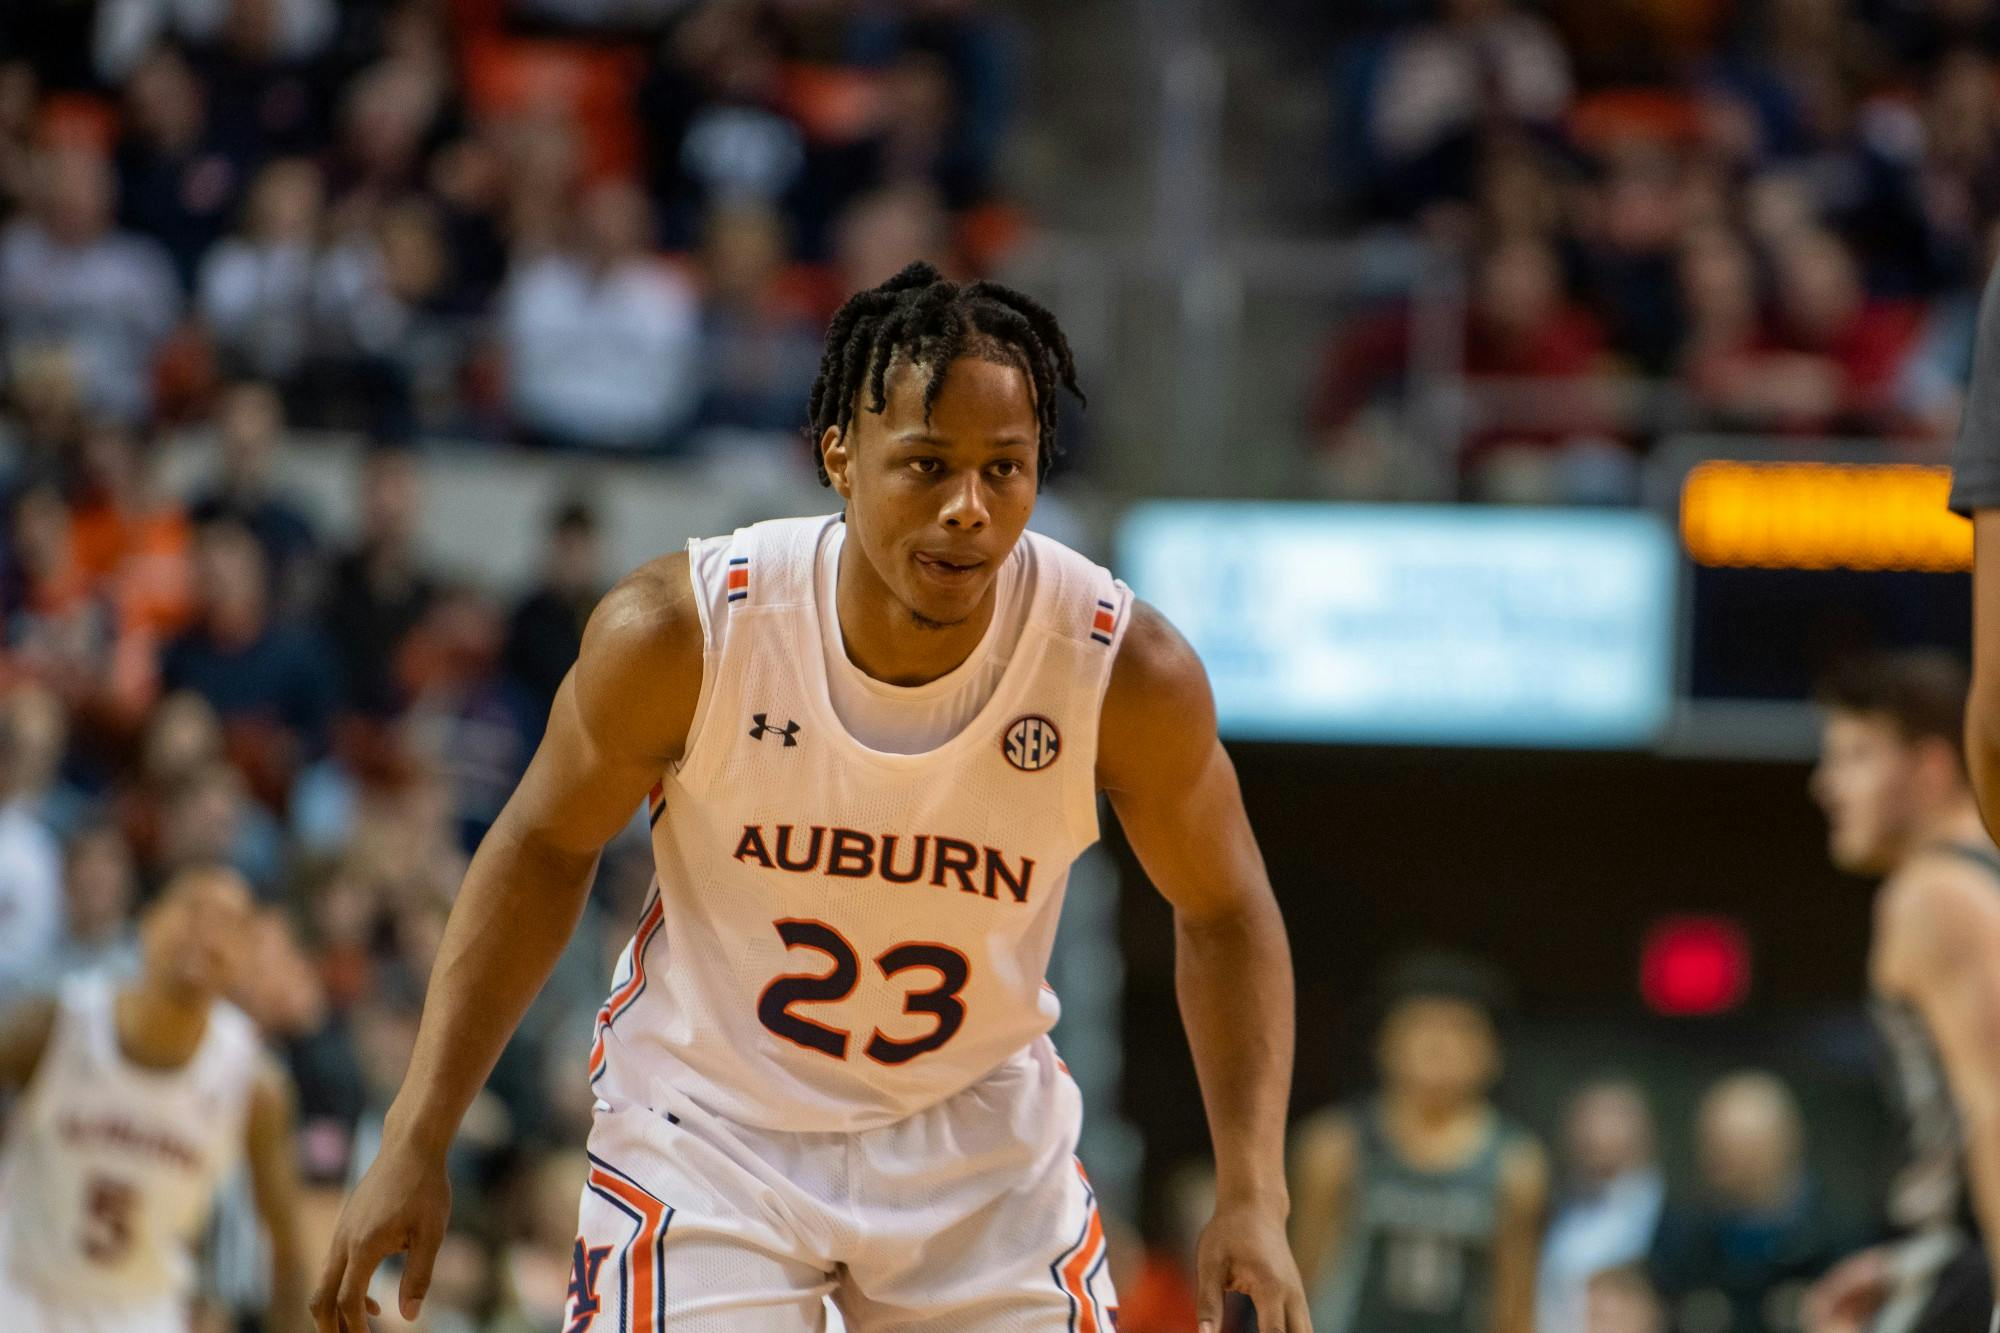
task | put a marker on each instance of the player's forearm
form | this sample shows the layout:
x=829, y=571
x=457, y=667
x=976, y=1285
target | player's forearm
x=1982, y=735
x=288, y=1312
x=1982, y=1168
x=519, y=905
x=1233, y=974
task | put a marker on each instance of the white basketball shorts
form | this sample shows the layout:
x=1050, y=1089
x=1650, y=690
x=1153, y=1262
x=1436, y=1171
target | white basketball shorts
x=971, y=1215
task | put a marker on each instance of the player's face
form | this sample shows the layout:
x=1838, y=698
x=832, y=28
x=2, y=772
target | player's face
x=1865, y=782
x=195, y=938
x=1440, y=1050
x=936, y=505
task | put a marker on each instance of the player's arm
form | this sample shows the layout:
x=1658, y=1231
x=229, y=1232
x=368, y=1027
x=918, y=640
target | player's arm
x=274, y=1180
x=1517, y=1239
x=1175, y=792
x=1324, y=1161
x=24, y=1036
x=620, y=717
x=1982, y=706
x=1939, y=924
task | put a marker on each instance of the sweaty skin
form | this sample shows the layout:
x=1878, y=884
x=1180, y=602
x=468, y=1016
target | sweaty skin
x=933, y=507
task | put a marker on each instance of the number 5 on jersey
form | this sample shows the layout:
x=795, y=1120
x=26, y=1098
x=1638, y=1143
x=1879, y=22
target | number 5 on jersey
x=774, y=1006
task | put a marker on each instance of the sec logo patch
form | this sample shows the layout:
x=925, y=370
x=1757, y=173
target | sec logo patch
x=1031, y=743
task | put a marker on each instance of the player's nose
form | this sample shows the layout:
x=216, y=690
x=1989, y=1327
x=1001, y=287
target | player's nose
x=965, y=504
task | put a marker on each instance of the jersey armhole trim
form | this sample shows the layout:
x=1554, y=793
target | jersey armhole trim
x=711, y=657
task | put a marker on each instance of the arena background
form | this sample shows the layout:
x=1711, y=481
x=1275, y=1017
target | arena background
x=1600, y=358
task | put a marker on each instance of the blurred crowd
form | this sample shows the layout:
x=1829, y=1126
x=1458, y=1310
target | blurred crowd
x=1772, y=218
x=608, y=227
x=613, y=226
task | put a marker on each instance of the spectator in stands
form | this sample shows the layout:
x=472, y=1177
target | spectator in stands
x=1610, y=1203
x=1832, y=358
x=175, y=183
x=390, y=116
x=602, y=343
x=256, y=287
x=476, y=725
x=67, y=279
x=30, y=871
x=1618, y=1300
x=887, y=229
x=1440, y=88
x=1759, y=1229
x=715, y=130
x=270, y=681
x=262, y=64
x=249, y=427
x=19, y=95
x=1521, y=328
x=1956, y=179
x=128, y=29
x=759, y=339
x=38, y=724
x=181, y=735
x=392, y=338
x=211, y=816
x=546, y=629
x=131, y=539
x=54, y=629
x=379, y=589
x=1631, y=250
x=1718, y=287
x=976, y=56
x=99, y=889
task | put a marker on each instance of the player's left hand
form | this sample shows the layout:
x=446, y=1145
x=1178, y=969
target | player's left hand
x=1243, y=1248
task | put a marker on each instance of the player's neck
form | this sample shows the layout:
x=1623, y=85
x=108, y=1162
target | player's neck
x=1433, y=1136
x=1956, y=821
x=158, y=1028
x=887, y=641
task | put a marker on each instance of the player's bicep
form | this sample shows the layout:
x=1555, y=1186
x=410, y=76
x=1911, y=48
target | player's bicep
x=1945, y=935
x=1168, y=777
x=24, y=1035
x=620, y=717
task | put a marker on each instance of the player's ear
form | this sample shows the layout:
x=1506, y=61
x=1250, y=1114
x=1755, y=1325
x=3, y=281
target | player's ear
x=833, y=453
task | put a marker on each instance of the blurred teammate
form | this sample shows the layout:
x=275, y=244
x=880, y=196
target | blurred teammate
x=874, y=748
x=1421, y=1210
x=137, y=1100
x=1892, y=781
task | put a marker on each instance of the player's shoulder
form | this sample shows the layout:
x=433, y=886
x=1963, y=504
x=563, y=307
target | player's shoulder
x=1158, y=695
x=1938, y=904
x=649, y=620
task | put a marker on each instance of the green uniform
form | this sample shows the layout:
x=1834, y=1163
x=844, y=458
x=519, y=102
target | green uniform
x=1417, y=1255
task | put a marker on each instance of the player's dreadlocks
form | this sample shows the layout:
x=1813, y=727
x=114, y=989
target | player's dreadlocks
x=930, y=321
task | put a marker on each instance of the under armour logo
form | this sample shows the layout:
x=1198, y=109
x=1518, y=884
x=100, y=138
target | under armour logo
x=789, y=731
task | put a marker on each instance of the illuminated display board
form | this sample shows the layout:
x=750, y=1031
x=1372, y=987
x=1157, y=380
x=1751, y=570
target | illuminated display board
x=1863, y=516
x=1796, y=563
x=1417, y=624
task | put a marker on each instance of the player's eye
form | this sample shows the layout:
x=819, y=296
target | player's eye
x=928, y=467
x=1006, y=467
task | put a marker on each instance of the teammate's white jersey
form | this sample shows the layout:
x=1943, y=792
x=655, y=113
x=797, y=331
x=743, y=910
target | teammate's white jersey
x=838, y=936
x=111, y=1168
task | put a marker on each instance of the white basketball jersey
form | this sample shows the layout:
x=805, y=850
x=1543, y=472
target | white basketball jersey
x=838, y=936
x=111, y=1168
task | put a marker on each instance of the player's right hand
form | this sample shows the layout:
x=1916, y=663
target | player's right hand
x=1846, y=1299
x=400, y=1206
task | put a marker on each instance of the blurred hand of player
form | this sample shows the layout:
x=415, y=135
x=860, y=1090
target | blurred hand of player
x=1846, y=1299
x=401, y=1204
x=1244, y=1249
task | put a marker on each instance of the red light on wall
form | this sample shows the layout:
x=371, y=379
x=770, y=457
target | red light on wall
x=1692, y=965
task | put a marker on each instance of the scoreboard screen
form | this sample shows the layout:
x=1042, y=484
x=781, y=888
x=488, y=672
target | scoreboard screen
x=1431, y=625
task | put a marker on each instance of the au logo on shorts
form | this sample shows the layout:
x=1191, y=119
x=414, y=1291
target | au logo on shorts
x=1031, y=743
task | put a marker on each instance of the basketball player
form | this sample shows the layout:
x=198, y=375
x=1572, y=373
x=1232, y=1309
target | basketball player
x=1892, y=781
x=137, y=1101
x=874, y=747
x=1421, y=1210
